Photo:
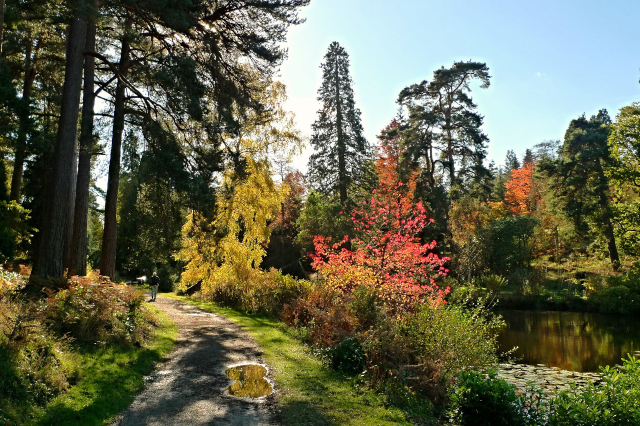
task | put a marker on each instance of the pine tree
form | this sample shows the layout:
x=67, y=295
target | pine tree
x=340, y=148
x=528, y=157
x=579, y=178
x=511, y=161
x=445, y=124
x=61, y=194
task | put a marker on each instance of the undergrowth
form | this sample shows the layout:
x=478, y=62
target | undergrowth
x=50, y=338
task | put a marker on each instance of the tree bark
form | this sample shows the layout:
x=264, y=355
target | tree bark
x=1, y=26
x=50, y=259
x=605, y=210
x=342, y=168
x=24, y=117
x=78, y=253
x=109, y=239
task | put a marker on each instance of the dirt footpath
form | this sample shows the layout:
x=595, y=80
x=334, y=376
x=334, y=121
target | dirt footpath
x=188, y=389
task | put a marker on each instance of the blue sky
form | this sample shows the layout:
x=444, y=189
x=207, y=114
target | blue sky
x=550, y=61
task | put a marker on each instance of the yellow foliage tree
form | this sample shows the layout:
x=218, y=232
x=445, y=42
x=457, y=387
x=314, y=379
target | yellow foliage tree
x=225, y=253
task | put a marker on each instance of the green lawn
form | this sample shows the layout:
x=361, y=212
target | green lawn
x=310, y=394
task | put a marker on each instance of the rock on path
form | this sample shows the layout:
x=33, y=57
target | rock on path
x=188, y=389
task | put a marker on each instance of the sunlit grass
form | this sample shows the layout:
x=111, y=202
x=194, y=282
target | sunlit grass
x=309, y=393
x=109, y=380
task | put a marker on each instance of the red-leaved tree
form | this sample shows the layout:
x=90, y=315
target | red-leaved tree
x=386, y=254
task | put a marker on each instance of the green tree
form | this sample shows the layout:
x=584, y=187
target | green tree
x=208, y=63
x=444, y=126
x=511, y=161
x=579, y=179
x=340, y=148
x=624, y=175
x=283, y=252
x=321, y=217
x=49, y=261
x=78, y=251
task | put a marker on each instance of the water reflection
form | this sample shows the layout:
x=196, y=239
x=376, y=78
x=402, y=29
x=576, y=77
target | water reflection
x=250, y=381
x=569, y=340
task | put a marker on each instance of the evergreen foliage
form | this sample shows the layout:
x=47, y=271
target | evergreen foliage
x=579, y=179
x=443, y=125
x=340, y=148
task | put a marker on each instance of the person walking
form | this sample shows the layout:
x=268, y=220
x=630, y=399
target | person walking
x=155, y=282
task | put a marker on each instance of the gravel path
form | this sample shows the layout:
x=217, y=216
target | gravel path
x=188, y=389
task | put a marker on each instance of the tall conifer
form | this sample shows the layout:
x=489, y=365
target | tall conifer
x=340, y=148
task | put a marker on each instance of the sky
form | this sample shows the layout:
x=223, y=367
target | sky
x=550, y=61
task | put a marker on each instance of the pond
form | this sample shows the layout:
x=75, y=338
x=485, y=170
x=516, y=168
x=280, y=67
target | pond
x=575, y=341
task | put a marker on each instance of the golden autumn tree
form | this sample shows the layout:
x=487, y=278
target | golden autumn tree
x=227, y=250
x=521, y=192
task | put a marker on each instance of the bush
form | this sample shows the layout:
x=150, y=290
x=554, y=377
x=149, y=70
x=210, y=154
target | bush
x=348, y=356
x=478, y=400
x=93, y=309
x=431, y=347
x=39, y=358
x=425, y=348
x=34, y=365
x=323, y=315
x=620, y=293
x=256, y=291
x=614, y=402
x=615, y=300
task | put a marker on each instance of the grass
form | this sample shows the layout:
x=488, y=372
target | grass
x=310, y=394
x=109, y=380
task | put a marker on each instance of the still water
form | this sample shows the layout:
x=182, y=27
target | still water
x=569, y=340
x=250, y=381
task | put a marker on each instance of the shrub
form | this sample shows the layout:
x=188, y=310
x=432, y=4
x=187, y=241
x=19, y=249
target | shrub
x=324, y=315
x=256, y=291
x=617, y=299
x=493, y=282
x=425, y=348
x=614, y=402
x=348, y=356
x=92, y=309
x=620, y=294
x=34, y=365
x=478, y=400
x=432, y=346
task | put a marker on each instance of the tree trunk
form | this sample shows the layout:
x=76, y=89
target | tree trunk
x=78, y=253
x=342, y=167
x=24, y=117
x=606, y=218
x=50, y=258
x=108, y=256
x=1, y=26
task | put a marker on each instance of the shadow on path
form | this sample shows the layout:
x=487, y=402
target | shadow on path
x=189, y=388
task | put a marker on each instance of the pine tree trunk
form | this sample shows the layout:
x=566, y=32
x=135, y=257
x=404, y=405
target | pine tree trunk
x=342, y=167
x=50, y=258
x=24, y=116
x=1, y=26
x=78, y=254
x=109, y=239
